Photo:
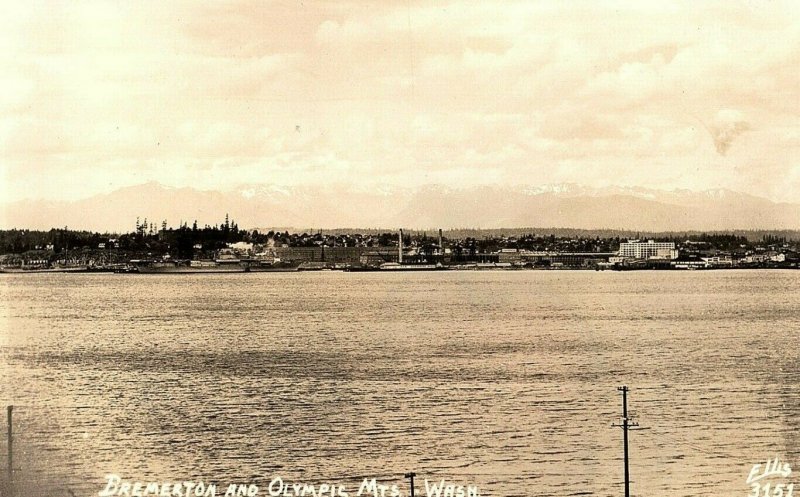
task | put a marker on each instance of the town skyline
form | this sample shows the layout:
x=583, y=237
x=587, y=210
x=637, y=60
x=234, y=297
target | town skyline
x=225, y=247
x=98, y=97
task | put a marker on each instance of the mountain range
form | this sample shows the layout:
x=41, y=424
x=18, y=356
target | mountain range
x=434, y=206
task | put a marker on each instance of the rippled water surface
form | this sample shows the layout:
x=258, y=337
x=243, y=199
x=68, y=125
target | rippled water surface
x=504, y=380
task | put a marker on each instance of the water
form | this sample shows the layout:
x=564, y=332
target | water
x=504, y=380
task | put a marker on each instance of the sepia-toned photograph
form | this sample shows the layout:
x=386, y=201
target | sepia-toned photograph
x=306, y=248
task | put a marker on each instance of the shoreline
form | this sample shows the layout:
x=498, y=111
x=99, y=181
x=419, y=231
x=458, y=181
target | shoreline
x=444, y=269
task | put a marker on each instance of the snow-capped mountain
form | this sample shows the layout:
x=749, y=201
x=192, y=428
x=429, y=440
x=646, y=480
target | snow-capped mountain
x=304, y=207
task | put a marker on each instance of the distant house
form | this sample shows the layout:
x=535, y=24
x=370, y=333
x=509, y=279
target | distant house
x=778, y=258
x=241, y=247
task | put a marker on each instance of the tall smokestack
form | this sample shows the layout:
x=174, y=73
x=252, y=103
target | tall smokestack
x=400, y=248
x=441, y=247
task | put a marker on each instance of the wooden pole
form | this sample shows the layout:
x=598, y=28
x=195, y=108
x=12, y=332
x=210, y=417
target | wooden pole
x=626, y=425
x=411, y=476
x=624, y=390
x=10, y=453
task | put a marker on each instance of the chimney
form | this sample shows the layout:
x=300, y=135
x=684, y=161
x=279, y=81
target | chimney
x=400, y=248
x=441, y=247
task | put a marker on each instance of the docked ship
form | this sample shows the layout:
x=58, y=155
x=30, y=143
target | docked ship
x=36, y=270
x=147, y=267
x=396, y=266
x=264, y=263
x=43, y=266
x=225, y=262
x=270, y=267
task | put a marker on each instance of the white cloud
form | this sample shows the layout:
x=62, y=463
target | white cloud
x=650, y=94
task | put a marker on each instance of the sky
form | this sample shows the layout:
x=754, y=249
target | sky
x=95, y=96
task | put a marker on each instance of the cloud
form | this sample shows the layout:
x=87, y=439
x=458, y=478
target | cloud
x=396, y=92
x=727, y=126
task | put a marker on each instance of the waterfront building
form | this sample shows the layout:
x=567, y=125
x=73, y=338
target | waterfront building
x=718, y=261
x=335, y=255
x=635, y=249
x=571, y=259
x=379, y=255
x=512, y=256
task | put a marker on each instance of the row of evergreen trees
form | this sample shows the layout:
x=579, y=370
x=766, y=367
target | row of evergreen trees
x=146, y=237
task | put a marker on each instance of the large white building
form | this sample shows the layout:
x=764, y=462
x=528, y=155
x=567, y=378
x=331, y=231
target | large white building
x=634, y=249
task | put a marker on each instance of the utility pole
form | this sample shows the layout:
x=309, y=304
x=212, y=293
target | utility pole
x=411, y=476
x=10, y=454
x=627, y=424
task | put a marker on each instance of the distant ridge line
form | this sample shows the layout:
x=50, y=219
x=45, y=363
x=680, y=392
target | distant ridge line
x=479, y=208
